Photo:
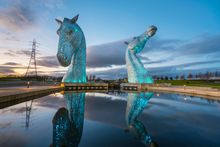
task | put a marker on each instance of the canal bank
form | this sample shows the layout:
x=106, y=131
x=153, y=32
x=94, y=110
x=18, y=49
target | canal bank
x=206, y=92
x=19, y=94
x=10, y=94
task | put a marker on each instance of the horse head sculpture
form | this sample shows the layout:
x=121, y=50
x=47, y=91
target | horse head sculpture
x=135, y=68
x=72, y=50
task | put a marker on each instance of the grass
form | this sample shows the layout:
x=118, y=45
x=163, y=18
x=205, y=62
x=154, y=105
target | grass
x=200, y=83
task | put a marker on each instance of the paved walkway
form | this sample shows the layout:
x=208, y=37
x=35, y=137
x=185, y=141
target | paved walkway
x=9, y=94
x=206, y=92
x=6, y=91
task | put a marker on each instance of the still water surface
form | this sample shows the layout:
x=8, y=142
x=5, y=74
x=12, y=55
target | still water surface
x=113, y=119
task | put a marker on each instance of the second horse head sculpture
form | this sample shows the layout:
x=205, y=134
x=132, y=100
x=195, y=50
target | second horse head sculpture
x=135, y=68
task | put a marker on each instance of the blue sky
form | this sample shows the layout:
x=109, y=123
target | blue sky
x=187, y=39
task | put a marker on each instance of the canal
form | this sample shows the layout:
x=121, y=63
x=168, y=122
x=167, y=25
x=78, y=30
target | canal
x=112, y=119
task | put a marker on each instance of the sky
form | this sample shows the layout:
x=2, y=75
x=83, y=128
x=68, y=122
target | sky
x=187, y=40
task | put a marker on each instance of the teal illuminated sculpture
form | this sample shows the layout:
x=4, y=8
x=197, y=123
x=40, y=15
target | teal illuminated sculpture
x=72, y=50
x=135, y=105
x=135, y=68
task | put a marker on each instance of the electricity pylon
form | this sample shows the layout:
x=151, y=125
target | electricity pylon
x=32, y=60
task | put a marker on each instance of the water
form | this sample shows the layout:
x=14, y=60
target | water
x=112, y=120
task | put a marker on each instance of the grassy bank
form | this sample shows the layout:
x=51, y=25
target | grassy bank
x=201, y=83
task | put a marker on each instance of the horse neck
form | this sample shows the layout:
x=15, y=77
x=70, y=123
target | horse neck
x=133, y=60
x=79, y=56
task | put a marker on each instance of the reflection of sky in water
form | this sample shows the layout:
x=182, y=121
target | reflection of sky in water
x=170, y=119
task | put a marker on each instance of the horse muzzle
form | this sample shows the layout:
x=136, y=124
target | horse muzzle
x=63, y=60
x=151, y=30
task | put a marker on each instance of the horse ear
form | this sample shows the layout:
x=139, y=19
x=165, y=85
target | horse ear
x=74, y=19
x=58, y=21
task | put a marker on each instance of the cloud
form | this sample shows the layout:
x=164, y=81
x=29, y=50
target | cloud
x=173, y=70
x=185, y=68
x=106, y=55
x=205, y=45
x=53, y=4
x=9, y=54
x=157, y=61
x=21, y=52
x=111, y=73
x=20, y=15
x=109, y=54
x=199, y=63
x=8, y=36
x=48, y=61
x=158, y=44
x=6, y=70
x=9, y=68
x=11, y=63
x=113, y=53
x=161, y=56
x=17, y=17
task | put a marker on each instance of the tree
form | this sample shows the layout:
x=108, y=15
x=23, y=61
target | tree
x=216, y=73
x=90, y=78
x=166, y=77
x=190, y=76
x=171, y=78
x=200, y=76
x=182, y=77
x=211, y=74
x=154, y=77
x=177, y=77
x=197, y=76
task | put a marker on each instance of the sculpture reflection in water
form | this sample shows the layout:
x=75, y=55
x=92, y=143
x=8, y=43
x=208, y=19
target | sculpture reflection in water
x=135, y=68
x=68, y=122
x=135, y=105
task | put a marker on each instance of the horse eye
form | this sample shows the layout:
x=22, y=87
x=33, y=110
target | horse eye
x=70, y=32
